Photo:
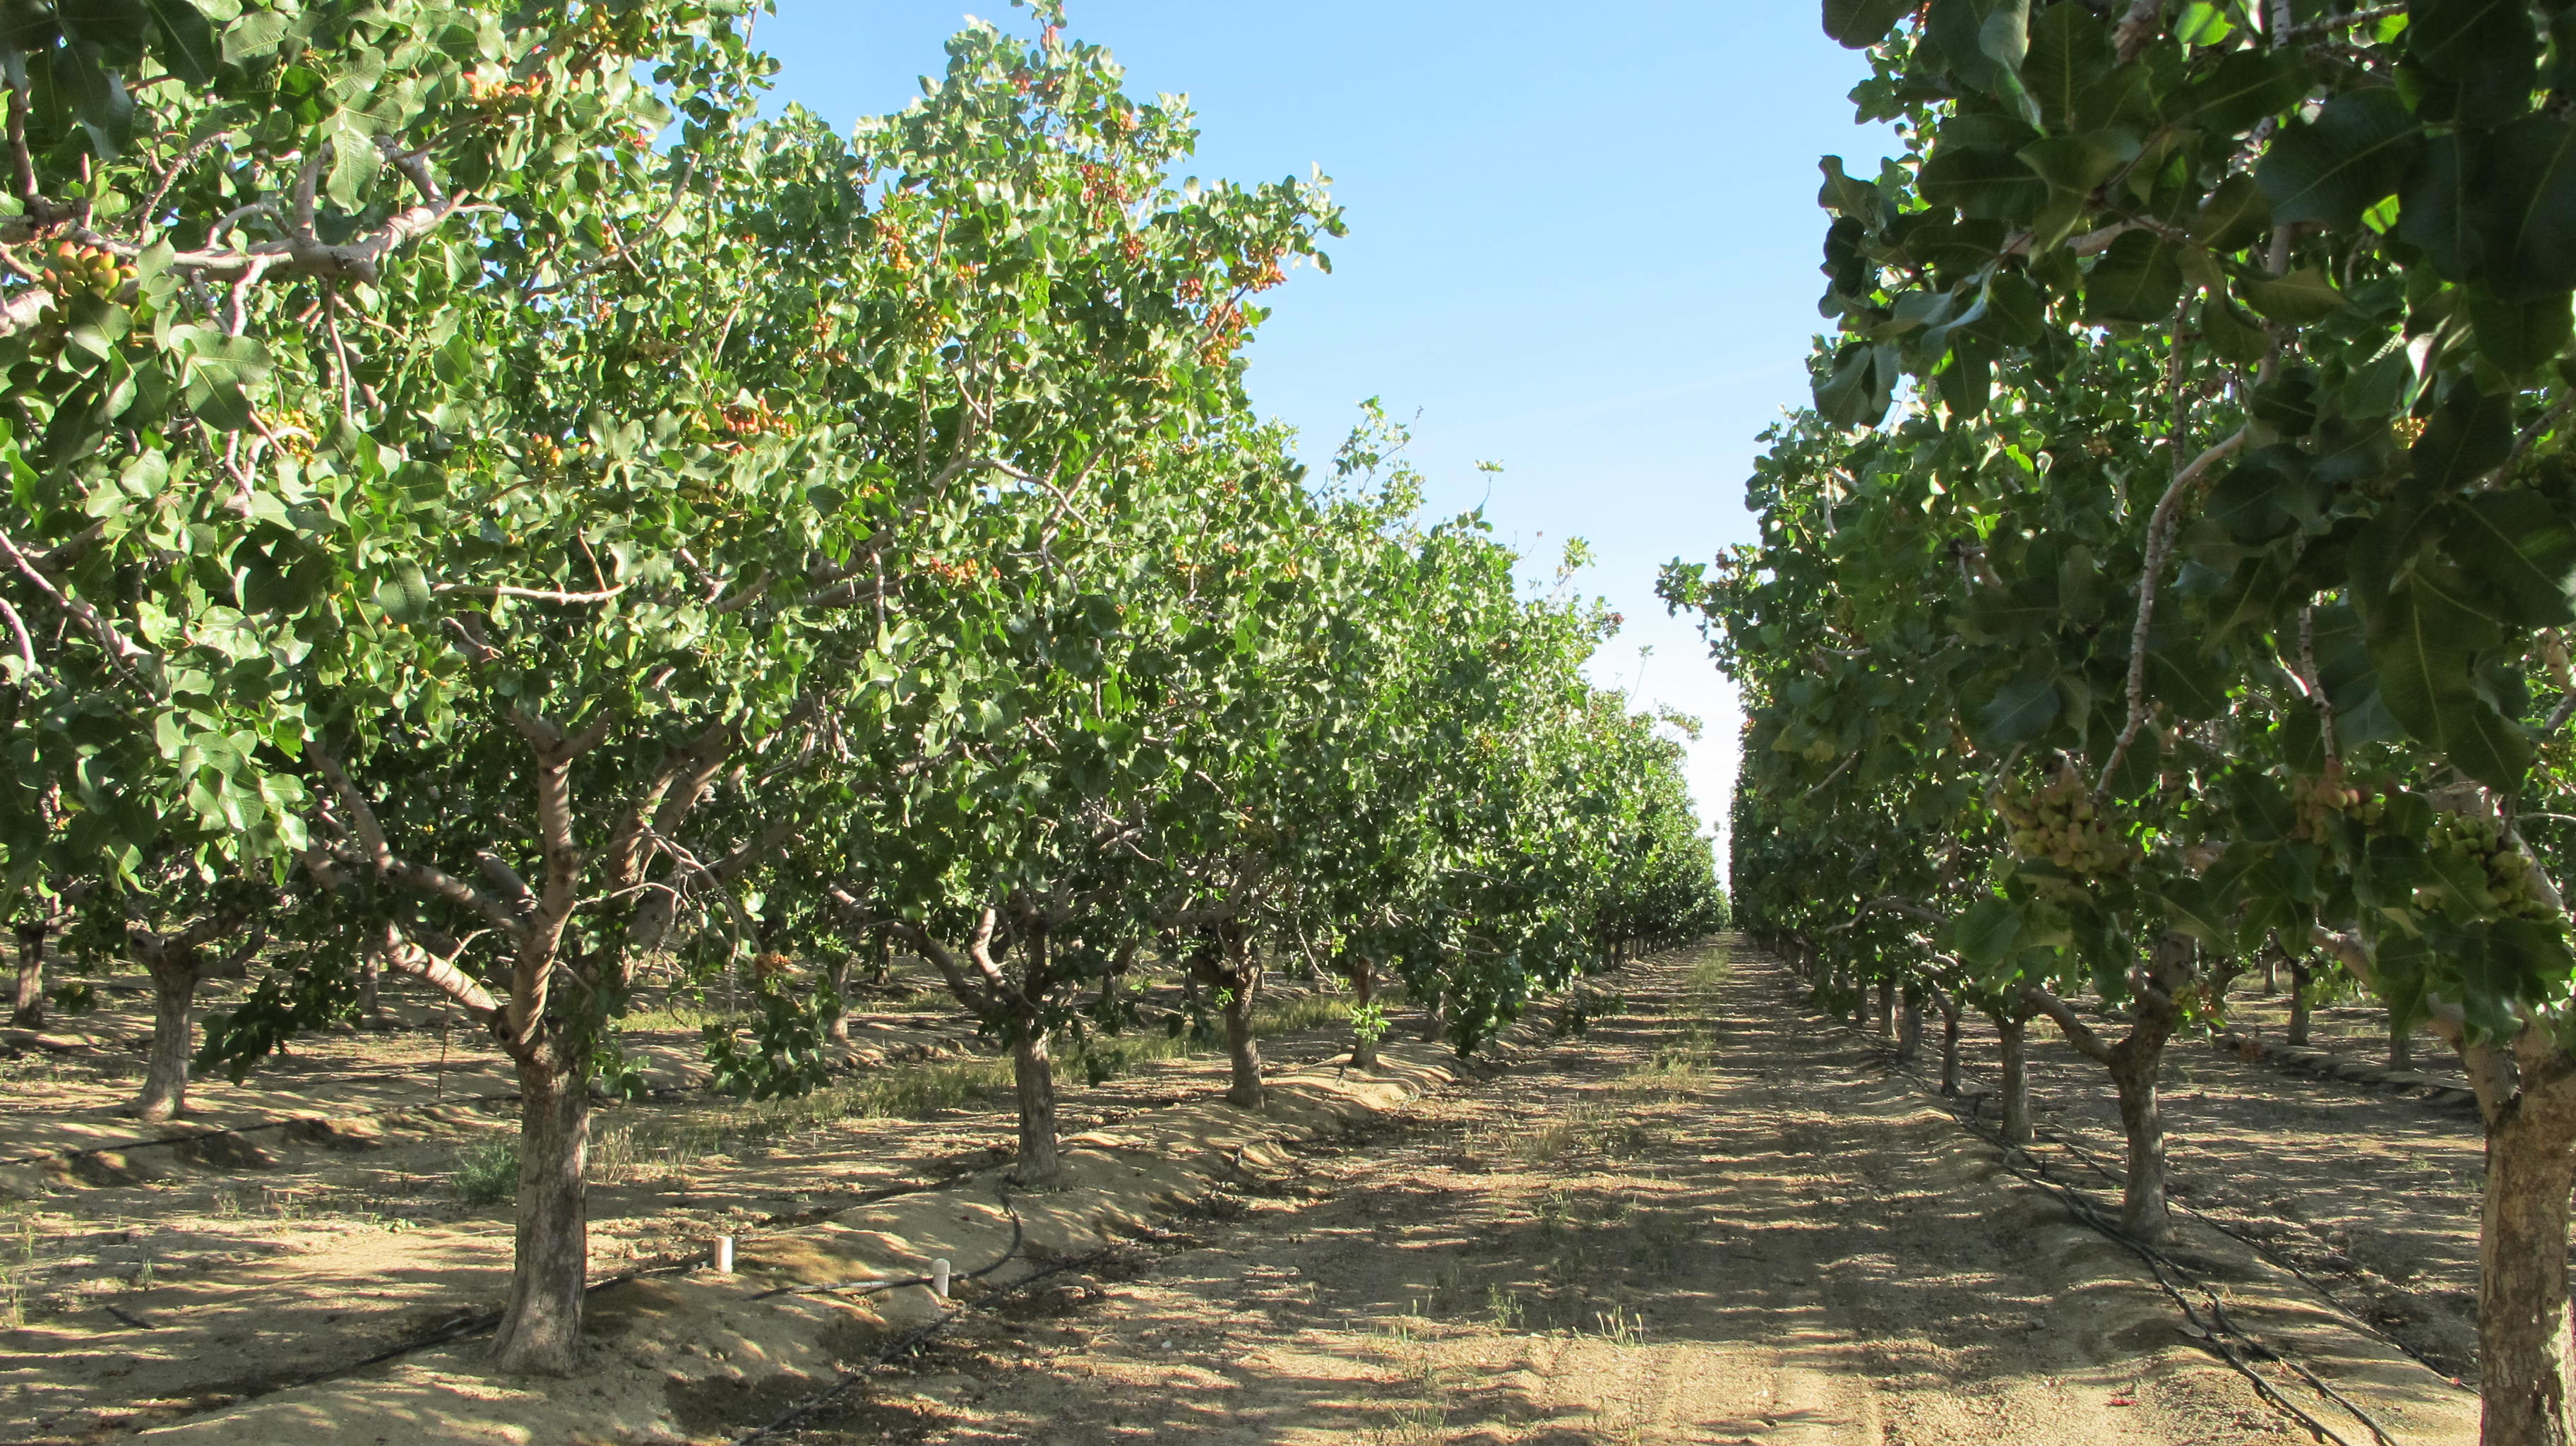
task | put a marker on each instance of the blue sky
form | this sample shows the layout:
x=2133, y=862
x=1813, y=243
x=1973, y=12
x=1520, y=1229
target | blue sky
x=1583, y=245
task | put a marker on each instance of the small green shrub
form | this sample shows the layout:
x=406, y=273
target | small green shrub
x=486, y=1173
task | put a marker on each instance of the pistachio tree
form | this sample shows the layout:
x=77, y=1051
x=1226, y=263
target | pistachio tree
x=2226, y=341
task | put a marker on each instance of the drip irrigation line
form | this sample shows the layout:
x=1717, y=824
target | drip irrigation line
x=2219, y=1334
x=2259, y=1247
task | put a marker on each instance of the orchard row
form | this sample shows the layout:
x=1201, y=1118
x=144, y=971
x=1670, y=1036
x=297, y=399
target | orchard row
x=2170, y=573
x=488, y=504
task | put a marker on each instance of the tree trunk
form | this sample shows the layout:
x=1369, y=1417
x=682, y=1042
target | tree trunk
x=2271, y=975
x=885, y=962
x=2526, y=1358
x=1033, y=1074
x=1435, y=1018
x=2298, y=1002
x=1949, y=1046
x=1243, y=1051
x=27, y=1011
x=371, y=975
x=1887, y=1008
x=2015, y=1030
x=2401, y=1046
x=1363, y=994
x=837, y=976
x=540, y=1333
x=165, y=1074
x=2142, y=1199
x=1909, y=1025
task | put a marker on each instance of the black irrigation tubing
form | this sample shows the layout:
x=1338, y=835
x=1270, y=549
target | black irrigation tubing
x=2259, y=1247
x=2220, y=1334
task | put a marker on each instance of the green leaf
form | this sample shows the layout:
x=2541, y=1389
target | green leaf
x=2467, y=438
x=2230, y=333
x=2521, y=337
x=2069, y=58
x=2330, y=170
x=2079, y=163
x=2440, y=208
x=2425, y=639
x=2138, y=279
x=116, y=27
x=2232, y=217
x=99, y=98
x=1984, y=936
x=2302, y=297
x=2022, y=709
x=187, y=43
x=2527, y=204
x=2484, y=53
x=353, y=164
x=1852, y=199
x=2520, y=549
x=2249, y=87
x=1984, y=182
x=1860, y=24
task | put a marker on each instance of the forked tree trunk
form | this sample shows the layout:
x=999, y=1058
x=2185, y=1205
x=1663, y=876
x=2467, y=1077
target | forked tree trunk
x=165, y=1071
x=1033, y=1075
x=1909, y=1025
x=540, y=1332
x=2015, y=1030
x=27, y=1009
x=1949, y=1045
x=2298, y=1033
x=2526, y=1357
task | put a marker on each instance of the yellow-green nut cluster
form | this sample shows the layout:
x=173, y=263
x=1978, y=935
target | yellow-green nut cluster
x=2326, y=793
x=2060, y=822
x=2512, y=886
x=71, y=269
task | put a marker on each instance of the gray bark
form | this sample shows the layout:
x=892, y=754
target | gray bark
x=2015, y=1030
x=1033, y=1076
x=540, y=1332
x=2526, y=1356
x=27, y=1010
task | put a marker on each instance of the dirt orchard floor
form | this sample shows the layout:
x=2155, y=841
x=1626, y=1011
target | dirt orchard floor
x=1717, y=1217
x=2373, y=1193
x=141, y=1284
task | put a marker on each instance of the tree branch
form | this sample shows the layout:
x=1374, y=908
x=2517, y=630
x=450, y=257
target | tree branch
x=2160, y=530
x=2078, y=1033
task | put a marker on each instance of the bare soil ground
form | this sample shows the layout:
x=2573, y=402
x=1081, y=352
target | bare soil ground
x=142, y=1282
x=1718, y=1217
